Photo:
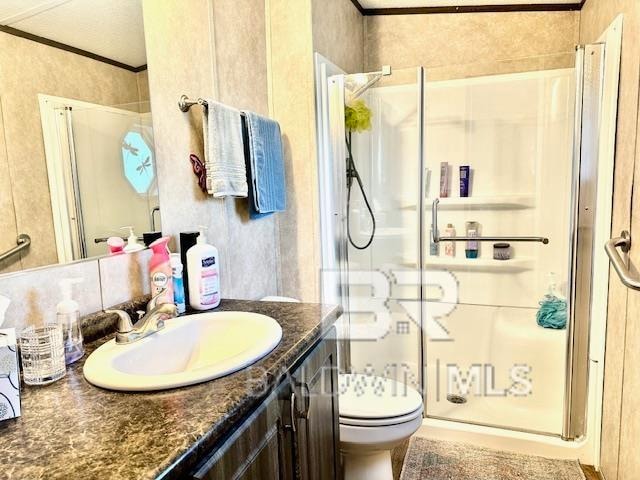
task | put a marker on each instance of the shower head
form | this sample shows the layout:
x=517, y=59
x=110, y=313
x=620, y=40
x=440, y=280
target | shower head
x=359, y=83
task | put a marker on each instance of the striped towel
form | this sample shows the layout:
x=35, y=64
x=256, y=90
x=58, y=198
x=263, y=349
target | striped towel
x=224, y=151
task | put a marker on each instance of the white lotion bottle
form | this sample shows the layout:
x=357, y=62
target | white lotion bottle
x=132, y=242
x=204, y=274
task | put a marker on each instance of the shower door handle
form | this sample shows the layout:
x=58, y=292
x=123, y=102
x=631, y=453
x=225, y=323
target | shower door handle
x=628, y=278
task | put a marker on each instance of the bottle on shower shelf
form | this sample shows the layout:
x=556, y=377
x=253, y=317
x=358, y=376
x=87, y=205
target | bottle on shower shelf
x=449, y=246
x=444, y=179
x=465, y=176
x=472, y=245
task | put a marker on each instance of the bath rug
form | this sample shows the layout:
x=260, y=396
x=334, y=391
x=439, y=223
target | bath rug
x=440, y=460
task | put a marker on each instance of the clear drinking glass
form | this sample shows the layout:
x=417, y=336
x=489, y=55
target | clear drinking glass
x=42, y=353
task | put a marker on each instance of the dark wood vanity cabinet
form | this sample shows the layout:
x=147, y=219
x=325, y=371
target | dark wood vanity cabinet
x=317, y=434
x=293, y=434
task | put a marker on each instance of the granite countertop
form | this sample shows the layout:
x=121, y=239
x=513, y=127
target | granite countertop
x=71, y=429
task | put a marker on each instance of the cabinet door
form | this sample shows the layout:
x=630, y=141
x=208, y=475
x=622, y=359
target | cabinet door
x=257, y=450
x=316, y=434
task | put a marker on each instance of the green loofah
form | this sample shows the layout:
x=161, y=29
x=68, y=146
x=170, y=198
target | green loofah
x=357, y=116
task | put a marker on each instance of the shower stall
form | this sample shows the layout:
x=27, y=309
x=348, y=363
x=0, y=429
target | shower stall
x=535, y=134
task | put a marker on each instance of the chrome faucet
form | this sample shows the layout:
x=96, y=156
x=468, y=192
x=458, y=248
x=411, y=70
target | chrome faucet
x=149, y=323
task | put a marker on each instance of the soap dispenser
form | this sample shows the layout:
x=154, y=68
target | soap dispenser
x=68, y=317
x=204, y=274
x=132, y=241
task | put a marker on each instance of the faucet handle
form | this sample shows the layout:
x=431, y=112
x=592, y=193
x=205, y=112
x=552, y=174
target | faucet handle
x=154, y=300
x=124, y=320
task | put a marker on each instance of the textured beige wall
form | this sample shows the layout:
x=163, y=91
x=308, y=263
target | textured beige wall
x=473, y=39
x=241, y=67
x=26, y=69
x=293, y=105
x=222, y=54
x=142, y=79
x=8, y=228
x=333, y=28
x=621, y=422
x=338, y=33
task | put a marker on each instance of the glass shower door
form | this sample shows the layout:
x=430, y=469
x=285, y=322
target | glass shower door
x=385, y=274
x=488, y=360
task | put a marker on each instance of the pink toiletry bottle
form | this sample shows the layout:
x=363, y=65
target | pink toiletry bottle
x=115, y=245
x=160, y=270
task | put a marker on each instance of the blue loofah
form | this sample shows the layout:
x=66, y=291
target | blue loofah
x=552, y=313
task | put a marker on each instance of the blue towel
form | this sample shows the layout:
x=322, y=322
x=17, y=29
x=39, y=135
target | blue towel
x=265, y=165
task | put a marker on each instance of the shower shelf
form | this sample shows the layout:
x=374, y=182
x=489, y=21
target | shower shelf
x=518, y=264
x=494, y=202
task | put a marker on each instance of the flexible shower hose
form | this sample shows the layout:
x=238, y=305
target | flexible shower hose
x=352, y=172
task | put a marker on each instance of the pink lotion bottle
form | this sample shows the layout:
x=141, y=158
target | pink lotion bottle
x=160, y=270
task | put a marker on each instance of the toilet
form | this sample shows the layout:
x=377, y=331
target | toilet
x=376, y=415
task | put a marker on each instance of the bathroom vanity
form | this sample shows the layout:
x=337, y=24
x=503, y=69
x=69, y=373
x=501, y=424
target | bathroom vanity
x=277, y=418
x=292, y=434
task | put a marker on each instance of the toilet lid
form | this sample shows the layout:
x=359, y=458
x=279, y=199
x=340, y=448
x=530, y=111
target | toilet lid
x=368, y=397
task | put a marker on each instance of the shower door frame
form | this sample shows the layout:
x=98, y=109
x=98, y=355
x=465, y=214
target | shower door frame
x=596, y=158
x=333, y=246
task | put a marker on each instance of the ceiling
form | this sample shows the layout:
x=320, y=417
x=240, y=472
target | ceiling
x=109, y=28
x=372, y=4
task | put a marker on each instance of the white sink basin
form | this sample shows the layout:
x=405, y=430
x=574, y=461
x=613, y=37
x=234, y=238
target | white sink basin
x=189, y=350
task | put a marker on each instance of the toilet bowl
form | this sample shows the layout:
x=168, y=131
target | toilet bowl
x=376, y=415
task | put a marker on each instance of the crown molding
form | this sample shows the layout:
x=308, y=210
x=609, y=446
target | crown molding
x=529, y=7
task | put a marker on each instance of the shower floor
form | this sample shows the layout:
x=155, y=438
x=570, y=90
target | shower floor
x=502, y=412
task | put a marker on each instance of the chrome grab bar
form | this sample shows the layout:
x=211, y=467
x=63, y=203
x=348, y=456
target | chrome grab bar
x=611, y=247
x=437, y=238
x=23, y=241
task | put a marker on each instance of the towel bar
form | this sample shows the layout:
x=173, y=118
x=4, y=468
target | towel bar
x=184, y=103
x=437, y=238
x=23, y=241
x=611, y=247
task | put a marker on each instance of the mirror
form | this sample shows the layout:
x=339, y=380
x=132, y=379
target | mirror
x=77, y=160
